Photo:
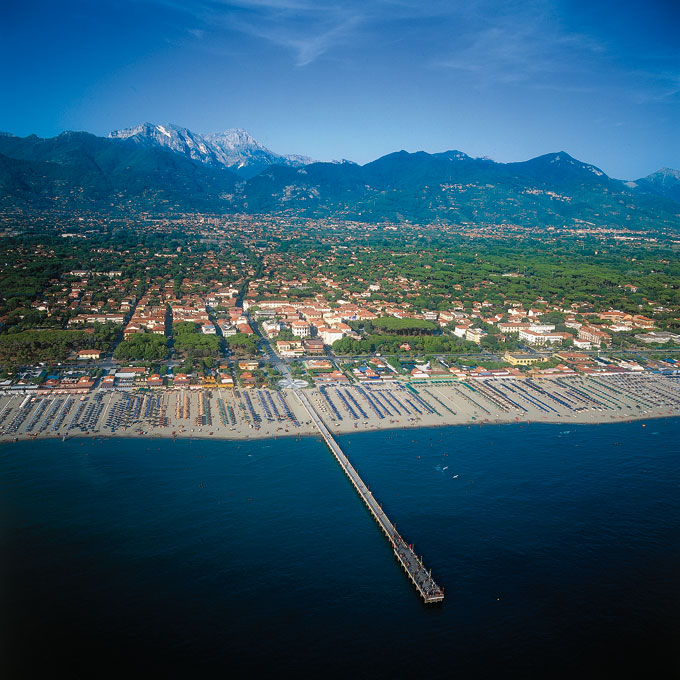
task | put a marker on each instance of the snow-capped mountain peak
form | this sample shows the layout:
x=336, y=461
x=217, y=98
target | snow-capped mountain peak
x=236, y=138
x=234, y=148
x=173, y=137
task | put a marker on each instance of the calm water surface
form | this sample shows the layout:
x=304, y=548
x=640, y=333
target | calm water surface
x=558, y=547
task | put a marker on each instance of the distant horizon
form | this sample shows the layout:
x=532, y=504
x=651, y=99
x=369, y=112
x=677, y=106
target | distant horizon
x=344, y=158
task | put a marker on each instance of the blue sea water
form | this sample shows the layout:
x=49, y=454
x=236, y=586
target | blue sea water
x=558, y=547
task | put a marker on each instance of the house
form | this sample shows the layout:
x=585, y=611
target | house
x=300, y=329
x=593, y=335
x=460, y=329
x=248, y=365
x=658, y=337
x=521, y=359
x=573, y=357
x=643, y=322
x=181, y=380
x=130, y=371
x=117, y=319
x=154, y=380
x=131, y=329
x=89, y=354
x=108, y=382
x=542, y=327
x=271, y=328
x=289, y=348
x=247, y=379
x=538, y=338
x=313, y=345
x=475, y=335
x=79, y=386
x=330, y=335
x=157, y=328
x=334, y=376
x=319, y=365
x=514, y=326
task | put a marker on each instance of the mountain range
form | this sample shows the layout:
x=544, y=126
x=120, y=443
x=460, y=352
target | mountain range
x=168, y=168
x=234, y=149
x=664, y=182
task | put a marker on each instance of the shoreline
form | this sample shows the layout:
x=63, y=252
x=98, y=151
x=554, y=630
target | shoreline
x=317, y=435
x=314, y=434
x=237, y=415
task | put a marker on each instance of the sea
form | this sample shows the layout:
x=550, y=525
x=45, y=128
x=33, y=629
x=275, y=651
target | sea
x=558, y=547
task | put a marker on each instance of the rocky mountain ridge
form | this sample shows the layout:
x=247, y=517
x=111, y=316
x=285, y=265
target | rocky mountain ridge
x=234, y=149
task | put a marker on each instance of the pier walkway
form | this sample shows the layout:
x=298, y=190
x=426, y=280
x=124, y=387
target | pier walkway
x=413, y=566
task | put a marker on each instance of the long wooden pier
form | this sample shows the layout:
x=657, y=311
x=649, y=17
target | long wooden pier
x=412, y=564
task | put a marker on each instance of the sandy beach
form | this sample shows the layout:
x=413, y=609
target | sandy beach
x=260, y=413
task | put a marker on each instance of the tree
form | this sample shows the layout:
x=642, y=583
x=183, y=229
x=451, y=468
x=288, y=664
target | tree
x=242, y=344
x=142, y=346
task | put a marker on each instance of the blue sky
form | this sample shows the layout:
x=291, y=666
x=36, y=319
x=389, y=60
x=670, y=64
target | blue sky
x=358, y=78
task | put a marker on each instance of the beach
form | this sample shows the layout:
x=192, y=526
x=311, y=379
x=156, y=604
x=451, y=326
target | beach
x=262, y=413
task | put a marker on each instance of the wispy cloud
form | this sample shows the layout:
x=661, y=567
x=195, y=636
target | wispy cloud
x=308, y=35
x=306, y=29
x=657, y=81
x=530, y=44
x=518, y=43
x=309, y=29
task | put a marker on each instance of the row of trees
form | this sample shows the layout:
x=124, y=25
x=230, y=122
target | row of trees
x=387, y=344
x=395, y=326
x=51, y=345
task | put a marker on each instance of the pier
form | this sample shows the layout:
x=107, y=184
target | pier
x=412, y=564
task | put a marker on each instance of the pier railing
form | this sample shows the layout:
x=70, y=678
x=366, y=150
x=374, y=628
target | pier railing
x=412, y=564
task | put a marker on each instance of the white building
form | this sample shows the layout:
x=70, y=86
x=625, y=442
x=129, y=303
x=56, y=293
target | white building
x=475, y=335
x=658, y=337
x=542, y=327
x=271, y=328
x=536, y=338
x=300, y=329
x=330, y=335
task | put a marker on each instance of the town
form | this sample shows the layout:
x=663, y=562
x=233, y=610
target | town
x=203, y=323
